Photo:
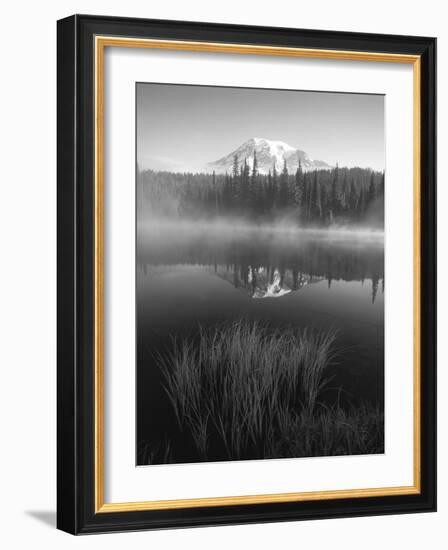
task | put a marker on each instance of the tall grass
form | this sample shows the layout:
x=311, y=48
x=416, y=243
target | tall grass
x=328, y=431
x=254, y=392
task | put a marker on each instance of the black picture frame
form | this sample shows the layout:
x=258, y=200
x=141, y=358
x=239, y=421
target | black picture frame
x=76, y=261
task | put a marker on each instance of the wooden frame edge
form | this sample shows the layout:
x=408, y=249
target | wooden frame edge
x=100, y=507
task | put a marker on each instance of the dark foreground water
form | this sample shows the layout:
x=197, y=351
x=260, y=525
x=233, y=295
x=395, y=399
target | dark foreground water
x=203, y=274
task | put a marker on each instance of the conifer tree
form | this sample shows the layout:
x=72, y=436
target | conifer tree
x=274, y=186
x=215, y=191
x=353, y=199
x=254, y=189
x=306, y=197
x=361, y=205
x=283, y=198
x=317, y=197
x=334, y=192
x=298, y=189
x=254, y=169
x=311, y=199
x=235, y=166
x=371, y=193
x=227, y=193
x=345, y=193
x=244, y=185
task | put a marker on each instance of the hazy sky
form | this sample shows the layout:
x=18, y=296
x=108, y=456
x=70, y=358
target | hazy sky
x=182, y=127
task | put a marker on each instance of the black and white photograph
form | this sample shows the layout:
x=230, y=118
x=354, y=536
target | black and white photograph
x=260, y=273
x=220, y=273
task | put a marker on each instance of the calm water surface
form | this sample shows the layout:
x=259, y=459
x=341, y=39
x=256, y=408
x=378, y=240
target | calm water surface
x=191, y=274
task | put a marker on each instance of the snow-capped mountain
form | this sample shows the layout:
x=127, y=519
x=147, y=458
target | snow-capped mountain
x=269, y=152
x=263, y=282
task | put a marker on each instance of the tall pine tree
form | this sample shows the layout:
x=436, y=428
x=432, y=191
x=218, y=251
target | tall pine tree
x=298, y=189
x=334, y=201
x=283, y=195
x=274, y=186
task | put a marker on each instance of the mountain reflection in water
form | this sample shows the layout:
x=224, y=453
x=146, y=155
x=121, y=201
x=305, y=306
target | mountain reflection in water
x=193, y=277
x=267, y=263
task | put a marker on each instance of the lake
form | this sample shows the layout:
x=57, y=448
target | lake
x=208, y=273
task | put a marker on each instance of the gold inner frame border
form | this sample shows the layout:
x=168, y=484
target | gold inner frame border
x=100, y=43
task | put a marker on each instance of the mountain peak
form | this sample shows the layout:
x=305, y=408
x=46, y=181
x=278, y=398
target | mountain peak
x=269, y=153
x=271, y=142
